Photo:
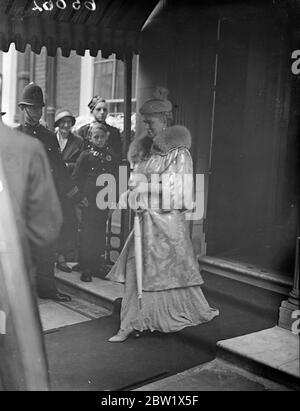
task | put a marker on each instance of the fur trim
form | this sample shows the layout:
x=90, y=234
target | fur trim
x=139, y=149
x=173, y=137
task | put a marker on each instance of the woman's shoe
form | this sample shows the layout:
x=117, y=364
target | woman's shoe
x=120, y=336
x=76, y=268
x=63, y=267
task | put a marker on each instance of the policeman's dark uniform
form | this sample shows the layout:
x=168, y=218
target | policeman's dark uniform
x=90, y=165
x=45, y=258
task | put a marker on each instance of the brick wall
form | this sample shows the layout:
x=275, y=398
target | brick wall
x=68, y=83
x=68, y=79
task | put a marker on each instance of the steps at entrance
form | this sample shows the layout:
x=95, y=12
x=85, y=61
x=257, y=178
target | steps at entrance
x=271, y=353
x=55, y=315
x=216, y=375
x=99, y=292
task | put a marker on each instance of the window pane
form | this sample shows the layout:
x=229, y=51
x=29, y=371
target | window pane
x=103, y=79
x=119, y=89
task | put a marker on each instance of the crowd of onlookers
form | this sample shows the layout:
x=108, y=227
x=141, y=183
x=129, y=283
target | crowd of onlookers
x=76, y=158
x=93, y=149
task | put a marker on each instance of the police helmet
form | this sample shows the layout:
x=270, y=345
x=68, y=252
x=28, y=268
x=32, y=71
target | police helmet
x=32, y=96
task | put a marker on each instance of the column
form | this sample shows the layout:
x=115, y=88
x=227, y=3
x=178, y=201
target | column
x=9, y=85
x=126, y=214
x=86, y=83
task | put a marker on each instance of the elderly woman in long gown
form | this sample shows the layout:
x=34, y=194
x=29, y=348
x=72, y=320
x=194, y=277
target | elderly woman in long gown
x=172, y=296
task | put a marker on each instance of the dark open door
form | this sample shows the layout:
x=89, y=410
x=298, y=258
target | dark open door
x=252, y=188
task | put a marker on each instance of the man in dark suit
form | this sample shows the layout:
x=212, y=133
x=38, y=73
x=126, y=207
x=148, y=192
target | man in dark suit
x=99, y=109
x=32, y=104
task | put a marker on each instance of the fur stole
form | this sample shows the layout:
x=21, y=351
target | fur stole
x=173, y=137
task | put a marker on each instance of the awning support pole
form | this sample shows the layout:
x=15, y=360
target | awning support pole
x=23, y=78
x=126, y=214
x=50, y=91
x=127, y=103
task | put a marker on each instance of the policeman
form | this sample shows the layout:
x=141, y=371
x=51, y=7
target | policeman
x=99, y=159
x=32, y=104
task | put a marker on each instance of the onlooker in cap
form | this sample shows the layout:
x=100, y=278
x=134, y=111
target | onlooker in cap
x=99, y=110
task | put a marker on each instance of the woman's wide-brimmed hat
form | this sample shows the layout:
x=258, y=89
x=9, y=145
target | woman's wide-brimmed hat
x=156, y=106
x=62, y=113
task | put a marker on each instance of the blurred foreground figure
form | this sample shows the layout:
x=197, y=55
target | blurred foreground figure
x=35, y=203
x=30, y=215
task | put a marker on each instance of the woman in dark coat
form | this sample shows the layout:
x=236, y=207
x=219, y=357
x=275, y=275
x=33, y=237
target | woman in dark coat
x=71, y=147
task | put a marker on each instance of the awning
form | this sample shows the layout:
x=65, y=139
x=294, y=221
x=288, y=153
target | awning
x=113, y=27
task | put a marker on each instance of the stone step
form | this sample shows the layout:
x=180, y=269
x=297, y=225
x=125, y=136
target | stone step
x=55, y=315
x=217, y=375
x=272, y=354
x=100, y=292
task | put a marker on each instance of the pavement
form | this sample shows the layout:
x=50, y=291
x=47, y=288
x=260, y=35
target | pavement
x=56, y=315
x=273, y=349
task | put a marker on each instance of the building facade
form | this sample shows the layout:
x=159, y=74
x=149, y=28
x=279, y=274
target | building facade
x=68, y=82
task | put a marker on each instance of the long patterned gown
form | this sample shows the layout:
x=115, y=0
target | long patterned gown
x=172, y=296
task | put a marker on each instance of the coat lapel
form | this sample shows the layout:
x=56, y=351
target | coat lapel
x=70, y=149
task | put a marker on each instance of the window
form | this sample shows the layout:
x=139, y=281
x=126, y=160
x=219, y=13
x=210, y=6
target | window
x=109, y=81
